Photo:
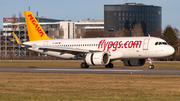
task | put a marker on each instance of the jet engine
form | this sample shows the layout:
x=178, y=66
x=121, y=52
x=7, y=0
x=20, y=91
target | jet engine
x=97, y=58
x=134, y=62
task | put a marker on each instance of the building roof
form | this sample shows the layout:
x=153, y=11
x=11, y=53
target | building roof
x=39, y=19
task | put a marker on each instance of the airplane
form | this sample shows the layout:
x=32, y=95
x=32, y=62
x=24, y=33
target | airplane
x=133, y=51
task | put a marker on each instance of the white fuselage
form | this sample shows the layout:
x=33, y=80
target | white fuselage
x=118, y=47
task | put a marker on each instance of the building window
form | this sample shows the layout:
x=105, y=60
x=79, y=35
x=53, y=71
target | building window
x=114, y=14
x=126, y=13
x=142, y=14
x=127, y=18
x=142, y=8
x=123, y=13
x=119, y=13
x=134, y=19
x=119, y=18
x=130, y=19
x=129, y=14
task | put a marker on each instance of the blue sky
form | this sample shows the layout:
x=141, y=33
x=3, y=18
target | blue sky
x=82, y=9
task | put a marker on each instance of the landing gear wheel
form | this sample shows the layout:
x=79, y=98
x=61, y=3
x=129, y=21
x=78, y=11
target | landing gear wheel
x=151, y=66
x=110, y=65
x=84, y=65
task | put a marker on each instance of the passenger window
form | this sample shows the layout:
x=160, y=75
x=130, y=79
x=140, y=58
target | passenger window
x=156, y=43
x=160, y=43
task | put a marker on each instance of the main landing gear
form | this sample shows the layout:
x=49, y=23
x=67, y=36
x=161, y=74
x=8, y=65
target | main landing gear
x=151, y=66
x=85, y=65
x=109, y=65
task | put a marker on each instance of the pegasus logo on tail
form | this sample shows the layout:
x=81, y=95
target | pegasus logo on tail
x=36, y=25
x=35, y=31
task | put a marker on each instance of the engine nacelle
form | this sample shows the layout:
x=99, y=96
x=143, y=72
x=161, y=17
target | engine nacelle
x=97, y=58
x=134, y=62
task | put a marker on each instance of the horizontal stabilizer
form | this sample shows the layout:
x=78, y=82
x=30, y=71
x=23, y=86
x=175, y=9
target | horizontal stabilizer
x=17, y=39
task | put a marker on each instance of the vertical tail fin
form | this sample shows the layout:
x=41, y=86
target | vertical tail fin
x=35, y=31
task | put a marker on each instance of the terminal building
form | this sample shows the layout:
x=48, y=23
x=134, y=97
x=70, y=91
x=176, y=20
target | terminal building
x=86, y=25
x=125, y=16
x=55, y=29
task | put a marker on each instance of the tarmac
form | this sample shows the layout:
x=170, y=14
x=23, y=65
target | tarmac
x=92, y=71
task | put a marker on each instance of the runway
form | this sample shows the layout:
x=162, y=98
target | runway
x=94, y=71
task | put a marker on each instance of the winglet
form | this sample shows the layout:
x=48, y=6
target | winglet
x=17, y=39
x=35, y=31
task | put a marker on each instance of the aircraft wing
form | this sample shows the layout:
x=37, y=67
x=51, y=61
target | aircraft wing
x=70, y=50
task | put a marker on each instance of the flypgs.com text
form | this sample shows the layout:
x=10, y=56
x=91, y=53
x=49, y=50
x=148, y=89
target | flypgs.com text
x=103, y=44
x=37, y=26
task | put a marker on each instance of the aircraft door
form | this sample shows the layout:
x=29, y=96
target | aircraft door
x=146, y=44
x=45, y=43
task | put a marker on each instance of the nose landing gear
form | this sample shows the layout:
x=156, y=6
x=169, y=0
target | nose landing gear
x=151, y=66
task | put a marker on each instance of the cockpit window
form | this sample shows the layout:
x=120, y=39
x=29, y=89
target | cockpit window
x=156, y=43
x=164, y=43
x=161, y=43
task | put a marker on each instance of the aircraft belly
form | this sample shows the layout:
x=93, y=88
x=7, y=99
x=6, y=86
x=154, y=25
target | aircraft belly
x=131, y=53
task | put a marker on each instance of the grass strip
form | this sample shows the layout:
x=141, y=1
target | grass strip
x=96, y=87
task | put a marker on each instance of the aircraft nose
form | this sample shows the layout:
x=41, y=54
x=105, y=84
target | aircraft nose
x=170, y=50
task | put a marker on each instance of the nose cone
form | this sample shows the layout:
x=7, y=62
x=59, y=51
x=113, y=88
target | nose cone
x=170, y=50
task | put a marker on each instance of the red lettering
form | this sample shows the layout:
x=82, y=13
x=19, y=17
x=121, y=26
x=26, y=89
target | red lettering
x=36, y=25
x=125, y=44
x=105, y=45
x=101, y=43
x=41, y=33
x=31, y=17
x=130, y=44
x=137, y=43
x=34, y=22
x=38, y=29
x=109, y=45
x=119, y=44
x=115, y=45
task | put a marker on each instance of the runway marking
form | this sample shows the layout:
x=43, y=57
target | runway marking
x=110, y=70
